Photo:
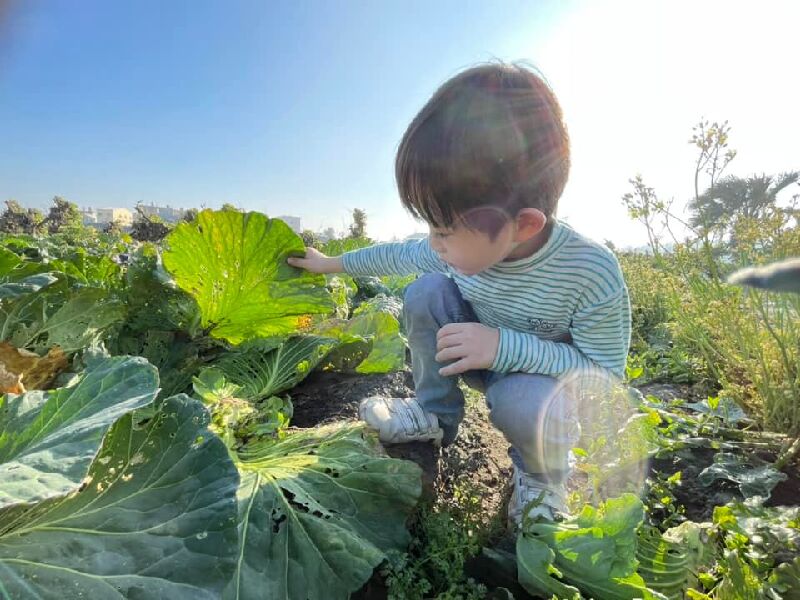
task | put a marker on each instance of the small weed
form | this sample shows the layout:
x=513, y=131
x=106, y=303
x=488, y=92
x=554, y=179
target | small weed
x=472, y=397
x=446, y=536
x=662, y=507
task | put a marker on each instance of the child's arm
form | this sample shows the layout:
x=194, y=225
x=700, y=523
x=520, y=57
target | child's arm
x=600, y=336
x=402, y=258
x=317, y=262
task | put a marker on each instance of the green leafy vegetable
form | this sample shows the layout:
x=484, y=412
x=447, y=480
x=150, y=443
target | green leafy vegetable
x=537, y=573
x=234, y=264
x=174, y=353
x=87, y=268
x=19, y=277
x=153, y=299
x=335, y=247
x=263, y=368
x=49, y=439
x=770, y=533
x=240, y=389
x=26, y=285
x=155, y=518
x=318, y=510
x=371, y=340
x=754, y=476
x=669, y=563
x=786, y=579
x=740, y=581
x=81, y=322
x=342, y=290
x=229, y=414
x=595, y=551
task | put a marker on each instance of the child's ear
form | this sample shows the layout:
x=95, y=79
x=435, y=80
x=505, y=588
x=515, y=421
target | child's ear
x=530, y=222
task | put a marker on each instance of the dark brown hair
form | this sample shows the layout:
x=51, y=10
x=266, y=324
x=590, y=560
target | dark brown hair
x=490, y=142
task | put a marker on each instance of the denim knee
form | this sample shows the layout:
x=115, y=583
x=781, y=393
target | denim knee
x=433, y=296
x=420, y=292
x=533, y=412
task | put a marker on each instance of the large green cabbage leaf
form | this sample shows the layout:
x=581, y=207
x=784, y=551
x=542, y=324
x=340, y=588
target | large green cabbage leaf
x=594, y=551
x=155, y=519
x=19, y=277
x=318, y=510
x=536, y=571
x=8, y=261
x=89, y=268
x=14, y=267
x=57, y=315
x=49, y=439
x=82, y=321
x=26, y=285
x=234, y=264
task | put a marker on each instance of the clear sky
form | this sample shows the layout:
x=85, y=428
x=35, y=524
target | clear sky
x=297, y=107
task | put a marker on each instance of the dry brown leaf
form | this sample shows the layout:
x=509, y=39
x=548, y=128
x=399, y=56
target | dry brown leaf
x=37, y=372
x=10, y=382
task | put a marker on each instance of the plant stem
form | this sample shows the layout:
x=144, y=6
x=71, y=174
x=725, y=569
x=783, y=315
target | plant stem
x=788, y=456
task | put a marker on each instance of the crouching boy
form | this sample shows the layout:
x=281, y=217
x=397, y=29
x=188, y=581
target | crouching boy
x=510, y=298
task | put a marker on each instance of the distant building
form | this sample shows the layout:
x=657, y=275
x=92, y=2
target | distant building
x=119, y=215
x=88, y=216
x=293, y=222
x=166, y=213
x=102, y=216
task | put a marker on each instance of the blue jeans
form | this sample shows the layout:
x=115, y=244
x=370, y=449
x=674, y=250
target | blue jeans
x=534, y=412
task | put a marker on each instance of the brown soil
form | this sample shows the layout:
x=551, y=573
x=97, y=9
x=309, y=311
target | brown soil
x=699, y=500
x=478, y=459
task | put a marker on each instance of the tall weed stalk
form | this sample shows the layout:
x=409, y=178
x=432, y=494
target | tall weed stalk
x=749, y=340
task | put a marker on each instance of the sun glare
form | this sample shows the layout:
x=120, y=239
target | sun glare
x=634, y=78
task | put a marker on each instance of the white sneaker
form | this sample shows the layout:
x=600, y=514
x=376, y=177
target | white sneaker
x=527, y=489
x=400, y=420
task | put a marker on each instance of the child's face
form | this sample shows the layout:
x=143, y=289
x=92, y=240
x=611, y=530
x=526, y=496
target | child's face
x=469, y=251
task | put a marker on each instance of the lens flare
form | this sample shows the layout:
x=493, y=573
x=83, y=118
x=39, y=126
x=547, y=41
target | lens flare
x=595, y=427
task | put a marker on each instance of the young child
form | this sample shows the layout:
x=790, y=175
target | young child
x=510, y=298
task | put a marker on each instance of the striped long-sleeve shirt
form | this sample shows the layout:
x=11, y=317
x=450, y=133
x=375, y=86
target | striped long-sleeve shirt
x=565, y=308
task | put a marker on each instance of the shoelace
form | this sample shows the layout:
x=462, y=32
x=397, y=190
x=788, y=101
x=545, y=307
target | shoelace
x=531, y=490
x=412, y=417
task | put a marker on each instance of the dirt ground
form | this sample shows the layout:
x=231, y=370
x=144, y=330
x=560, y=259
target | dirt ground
x=479, y=458
x=699, y=500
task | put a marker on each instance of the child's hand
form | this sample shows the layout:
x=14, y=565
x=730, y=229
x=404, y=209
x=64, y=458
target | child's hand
x=317, y=262
x=471, y=345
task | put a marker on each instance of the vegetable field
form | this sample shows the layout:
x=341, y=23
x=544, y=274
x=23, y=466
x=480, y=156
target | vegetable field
x=179, y=422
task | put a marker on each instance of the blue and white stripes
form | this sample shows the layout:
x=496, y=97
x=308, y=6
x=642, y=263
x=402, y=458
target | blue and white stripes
x=563, y=309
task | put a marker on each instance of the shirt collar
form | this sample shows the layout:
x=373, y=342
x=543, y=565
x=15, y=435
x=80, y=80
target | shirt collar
x=558, y=236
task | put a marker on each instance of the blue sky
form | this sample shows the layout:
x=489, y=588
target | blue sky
x=297, y=108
